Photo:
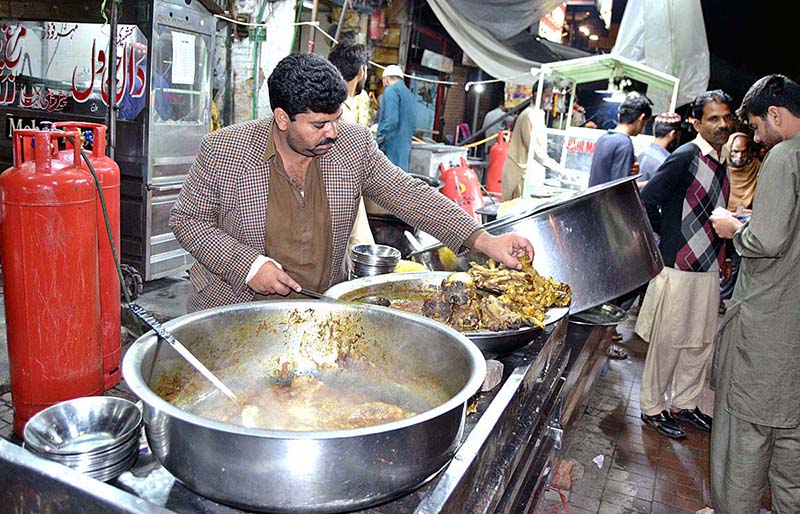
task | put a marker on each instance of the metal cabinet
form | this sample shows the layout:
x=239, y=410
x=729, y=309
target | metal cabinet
x=178, y=118
x=55, y=68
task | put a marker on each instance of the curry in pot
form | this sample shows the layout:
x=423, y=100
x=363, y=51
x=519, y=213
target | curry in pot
x=304, y=404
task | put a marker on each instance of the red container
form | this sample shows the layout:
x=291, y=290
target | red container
x=461, y=185
x=108, y=173
x=48, y=239
x=497, y=159
x=377, y=25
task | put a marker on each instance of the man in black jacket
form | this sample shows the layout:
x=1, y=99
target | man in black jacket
x=679, y=313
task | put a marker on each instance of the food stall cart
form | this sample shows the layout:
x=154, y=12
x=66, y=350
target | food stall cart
x=575, y=145
x=56, y=66
x=511, y=432
x=501, y=465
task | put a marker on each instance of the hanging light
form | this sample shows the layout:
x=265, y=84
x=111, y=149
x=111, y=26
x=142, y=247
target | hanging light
x=616, y=84
x=616, y=97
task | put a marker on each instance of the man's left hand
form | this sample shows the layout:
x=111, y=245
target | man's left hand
x=505, y=249
x=725, y=226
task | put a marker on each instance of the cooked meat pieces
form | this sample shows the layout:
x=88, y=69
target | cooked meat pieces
x=495, y=278
x=496, y=315
x=523, y=298
x=376, y=413
x=436, y=308
x=466, y=317
x=302, y=405
x=305, y=387
x=458, y=288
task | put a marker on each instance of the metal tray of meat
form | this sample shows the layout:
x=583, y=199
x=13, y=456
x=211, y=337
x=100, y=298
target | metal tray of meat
x=395, y=286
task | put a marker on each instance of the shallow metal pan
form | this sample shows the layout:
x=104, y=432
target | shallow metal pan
x=395, y=285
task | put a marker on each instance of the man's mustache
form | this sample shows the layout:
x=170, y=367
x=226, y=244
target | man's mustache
x=327, y=141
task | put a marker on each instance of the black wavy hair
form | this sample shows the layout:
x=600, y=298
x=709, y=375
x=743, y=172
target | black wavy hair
x=776, y=90
x=661, y=129
x=716, y=96
x=635, y=105
x=306, y=82
x=348, y=59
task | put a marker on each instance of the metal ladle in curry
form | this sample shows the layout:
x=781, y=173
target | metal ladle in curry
x=249, y=412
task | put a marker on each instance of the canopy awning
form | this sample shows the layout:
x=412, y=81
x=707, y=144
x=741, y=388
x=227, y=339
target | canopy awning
x=604, y=67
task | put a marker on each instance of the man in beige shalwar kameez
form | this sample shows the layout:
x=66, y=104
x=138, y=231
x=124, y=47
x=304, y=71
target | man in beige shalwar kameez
x=530, y=132
x=679, y=313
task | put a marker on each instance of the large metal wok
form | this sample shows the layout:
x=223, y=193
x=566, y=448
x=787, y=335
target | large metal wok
x=401, y=354
x=598, y=241
x=401, y=285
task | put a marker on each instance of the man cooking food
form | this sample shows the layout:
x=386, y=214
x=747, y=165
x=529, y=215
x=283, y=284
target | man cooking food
x=268, y=205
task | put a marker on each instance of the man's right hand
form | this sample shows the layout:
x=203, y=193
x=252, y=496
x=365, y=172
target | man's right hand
x=725, y=226
x=270, y=279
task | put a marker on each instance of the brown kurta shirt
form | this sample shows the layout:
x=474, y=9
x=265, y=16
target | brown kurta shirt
x=298, y=227
x=220, y=213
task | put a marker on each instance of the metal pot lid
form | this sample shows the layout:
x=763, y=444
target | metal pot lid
x=605, y=315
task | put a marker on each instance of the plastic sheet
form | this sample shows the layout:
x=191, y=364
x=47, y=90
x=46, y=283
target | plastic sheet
x=668, y=35
x=478, y=28
x=502, y=18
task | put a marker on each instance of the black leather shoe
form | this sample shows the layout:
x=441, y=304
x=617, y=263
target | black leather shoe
x=664, y=424
x=696, y=418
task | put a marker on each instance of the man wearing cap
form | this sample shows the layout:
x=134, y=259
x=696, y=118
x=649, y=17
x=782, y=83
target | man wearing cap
x=268, y=204
x=396, y=118
x=666, y=129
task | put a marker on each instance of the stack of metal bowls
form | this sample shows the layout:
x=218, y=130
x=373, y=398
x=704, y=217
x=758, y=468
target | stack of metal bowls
x=371, y=260
x=96, y=435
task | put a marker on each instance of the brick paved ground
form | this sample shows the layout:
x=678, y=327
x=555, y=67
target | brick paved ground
x=6, y=414
x=643, y=472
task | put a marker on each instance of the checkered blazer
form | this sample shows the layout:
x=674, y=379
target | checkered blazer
x=219, y=216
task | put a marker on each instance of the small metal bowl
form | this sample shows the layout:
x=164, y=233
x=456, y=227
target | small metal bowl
x=375, y=255
x=605, y=315
x=89, y=462
x=88, y=425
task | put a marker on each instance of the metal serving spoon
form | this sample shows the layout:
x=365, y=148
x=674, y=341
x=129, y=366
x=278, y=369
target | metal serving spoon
x=249, y=412
x=372, y=300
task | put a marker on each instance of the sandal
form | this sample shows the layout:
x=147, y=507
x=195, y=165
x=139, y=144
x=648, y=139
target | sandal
x=617, y=353
x=616, y=336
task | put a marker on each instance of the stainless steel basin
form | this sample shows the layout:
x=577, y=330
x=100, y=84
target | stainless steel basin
x=323, y=471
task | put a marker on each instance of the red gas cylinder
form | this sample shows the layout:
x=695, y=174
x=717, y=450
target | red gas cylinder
x=461, y=185
x=48, y=239
x=108, y=174
x=497, y=159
